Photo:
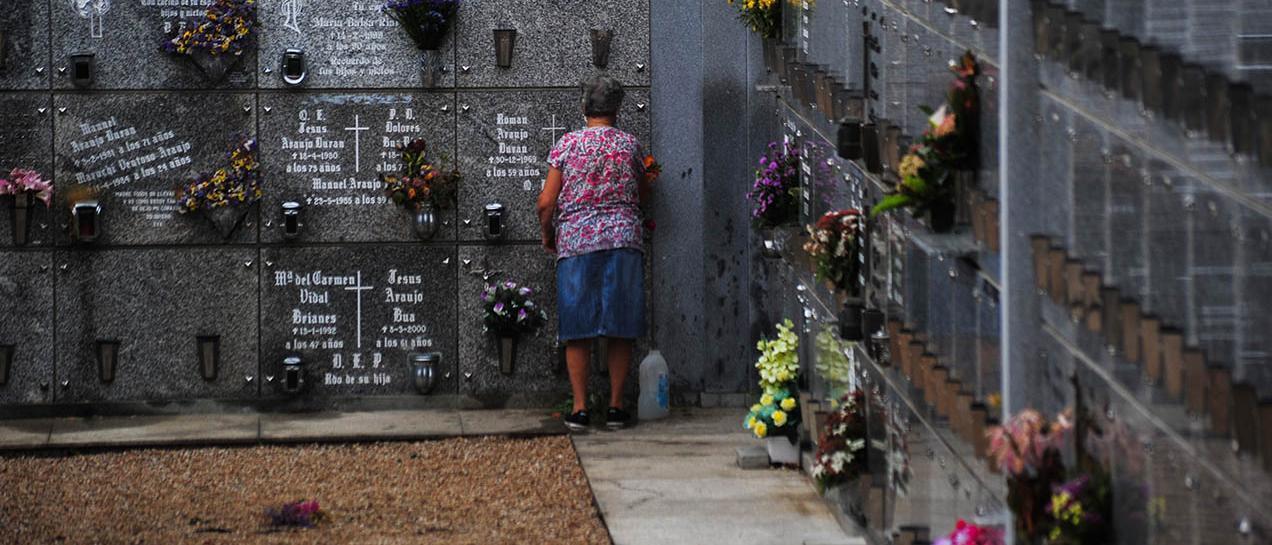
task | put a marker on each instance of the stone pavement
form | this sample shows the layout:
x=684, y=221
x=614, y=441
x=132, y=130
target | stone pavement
x=676, y=481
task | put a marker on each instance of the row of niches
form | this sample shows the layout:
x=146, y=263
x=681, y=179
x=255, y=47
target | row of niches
x=97, y=44
x=320, y=157
x=1202, y=101
x=300, y=323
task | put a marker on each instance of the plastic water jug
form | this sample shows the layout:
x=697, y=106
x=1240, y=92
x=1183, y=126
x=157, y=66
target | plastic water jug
x=655, y=397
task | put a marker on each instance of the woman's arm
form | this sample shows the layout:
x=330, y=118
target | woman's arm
x=548, y=207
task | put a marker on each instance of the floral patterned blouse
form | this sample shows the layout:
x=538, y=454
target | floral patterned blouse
x=599, y=205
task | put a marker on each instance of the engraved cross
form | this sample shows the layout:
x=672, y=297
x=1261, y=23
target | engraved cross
x=358, y=289
x=357, y=130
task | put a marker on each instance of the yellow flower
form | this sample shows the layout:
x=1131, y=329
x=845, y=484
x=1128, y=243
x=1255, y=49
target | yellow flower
x=779, y=418
x=788, y=403
x=760, y=429
x=911, y=165
x=750, y=423
x=756, y=408
x=766, y=399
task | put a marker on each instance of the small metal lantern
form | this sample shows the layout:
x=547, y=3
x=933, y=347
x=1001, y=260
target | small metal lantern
x=881, y=347
x=601, y=42
x=209, y=356
x=293, y=68
x=495, y=222
x=293, y=374
x=424, y=370
x=292, y=221
x=6, y=362
x=505, y=43
x=86, y=221
x=83, y=68
x=107, y=360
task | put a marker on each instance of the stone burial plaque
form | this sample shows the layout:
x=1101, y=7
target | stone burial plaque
x=1090, y=192
x=1216, y=226
x=156, y=304
x=125, y=39
x=1127, y=266
x=354, y=45
x=137, y=150
x=325, y=151
x=536, y=370
x=552, y=44
x=354, y=315
x=27, y=121
x=1168, y=225
x=26, y=327
x=504, y=140
x=24, y=45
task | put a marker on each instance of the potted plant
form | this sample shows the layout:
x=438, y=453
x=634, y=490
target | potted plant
x=224, y=196
x=836, y=245
x=775, y=195
x=25, y=186
x=217, y=41
x=423, y=187
x=510, y=313
x=929, y=180
x=427, y=22
x=776, y=418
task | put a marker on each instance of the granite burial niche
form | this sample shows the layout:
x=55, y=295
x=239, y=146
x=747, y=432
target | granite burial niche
x=160, y=306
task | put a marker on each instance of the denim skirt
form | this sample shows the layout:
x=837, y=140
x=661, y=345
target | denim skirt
x=601, y=294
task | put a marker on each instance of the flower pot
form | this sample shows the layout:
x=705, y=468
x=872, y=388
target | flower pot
x=850, y=321
x=782, y=450
x=432, y=66
x=425, y=221
x=507, y=354
x=941, y=216
x=424, y=371
x=22, y=217
x=601, y=42
x=225, y=218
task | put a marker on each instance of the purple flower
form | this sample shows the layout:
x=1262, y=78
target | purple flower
x=522, y=315
x=499, y=308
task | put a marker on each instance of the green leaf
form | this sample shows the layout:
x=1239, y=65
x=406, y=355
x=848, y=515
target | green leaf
x=927, y=110
x=891, y=202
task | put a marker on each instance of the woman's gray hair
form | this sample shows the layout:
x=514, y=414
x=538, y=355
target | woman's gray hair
x=602, y=96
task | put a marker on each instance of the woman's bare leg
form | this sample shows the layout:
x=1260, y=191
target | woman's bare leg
x=620, y=360
x=577, y=355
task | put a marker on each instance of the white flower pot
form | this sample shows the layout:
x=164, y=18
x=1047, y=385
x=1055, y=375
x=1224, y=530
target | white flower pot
x=782, y=451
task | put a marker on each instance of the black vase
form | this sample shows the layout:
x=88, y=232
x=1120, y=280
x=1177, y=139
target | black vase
x=941, y=216
x=22, y=217
x=850, y=322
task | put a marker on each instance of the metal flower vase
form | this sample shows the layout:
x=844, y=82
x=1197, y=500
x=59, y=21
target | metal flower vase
x=214, y=67
x=226, y=219
x=432, y=68
x=22, y=209
x=424, y=370
x=507, y=354
x=425, y=221
x=602, y=40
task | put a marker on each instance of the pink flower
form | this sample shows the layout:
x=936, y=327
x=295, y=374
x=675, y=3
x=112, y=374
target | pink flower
x=23, y=180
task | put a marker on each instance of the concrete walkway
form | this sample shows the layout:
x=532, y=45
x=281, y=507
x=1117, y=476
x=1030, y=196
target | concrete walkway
x=676, y=481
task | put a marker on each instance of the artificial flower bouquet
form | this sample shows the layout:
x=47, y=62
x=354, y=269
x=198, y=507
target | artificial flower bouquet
x=966, y=533
x=427, y=22
x=948, y=144
x=775, y=194
x=238, y=184
x=510, y=310
x=422, y=181
x=22, y=181
x=835, y=245
x=842, y=444
x=297, y=514
x=777, y=412
x=223, y=30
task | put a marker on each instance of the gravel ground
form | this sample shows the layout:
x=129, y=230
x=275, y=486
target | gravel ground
x=461, y=491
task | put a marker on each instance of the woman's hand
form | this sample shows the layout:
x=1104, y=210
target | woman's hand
x=549, y=241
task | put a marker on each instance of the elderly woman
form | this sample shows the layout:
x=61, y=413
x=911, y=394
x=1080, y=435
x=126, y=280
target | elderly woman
x=590, y=214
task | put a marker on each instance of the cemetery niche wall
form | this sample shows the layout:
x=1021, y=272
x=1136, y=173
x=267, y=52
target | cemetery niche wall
x=319, y=289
